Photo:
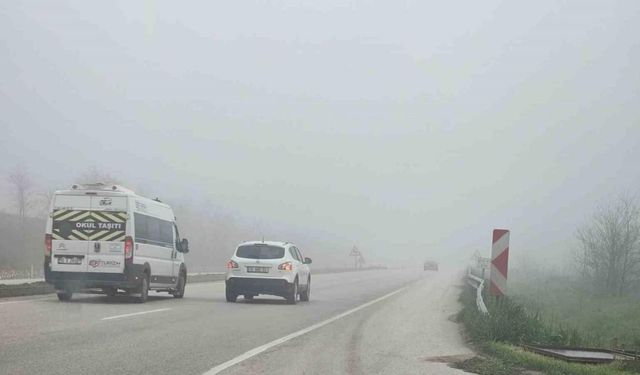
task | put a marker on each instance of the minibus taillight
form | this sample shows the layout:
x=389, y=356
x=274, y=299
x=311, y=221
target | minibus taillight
x=47, y=244
x=128, y=248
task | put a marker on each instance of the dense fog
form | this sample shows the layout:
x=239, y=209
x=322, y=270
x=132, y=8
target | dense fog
x=409, y=129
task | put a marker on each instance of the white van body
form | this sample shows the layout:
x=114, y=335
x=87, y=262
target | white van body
x=109, y=238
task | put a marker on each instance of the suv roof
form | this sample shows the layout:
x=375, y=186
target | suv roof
x=271, y=243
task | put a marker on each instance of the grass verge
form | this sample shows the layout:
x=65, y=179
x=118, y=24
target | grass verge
x=497, y=337
x=25, y=289
x=602, y=320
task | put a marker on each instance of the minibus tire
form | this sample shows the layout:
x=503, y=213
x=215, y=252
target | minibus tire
x=182, y=282
x=144, y=289
x=64, y=295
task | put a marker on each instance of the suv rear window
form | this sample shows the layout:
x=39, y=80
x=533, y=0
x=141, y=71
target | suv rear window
x=260, y=252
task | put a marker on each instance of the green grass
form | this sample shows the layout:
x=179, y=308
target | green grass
x=511, y=323
x=600, y=320
x=487, y=365
x=508, y=359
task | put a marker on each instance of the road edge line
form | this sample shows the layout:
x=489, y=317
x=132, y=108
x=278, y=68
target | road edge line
x=255, y=351
x=136, y=313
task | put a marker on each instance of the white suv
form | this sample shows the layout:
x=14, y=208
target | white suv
x=274, y=268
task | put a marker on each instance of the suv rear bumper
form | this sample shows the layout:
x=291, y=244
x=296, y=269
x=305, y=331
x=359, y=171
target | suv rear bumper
x=129, y=279
x=254, y=285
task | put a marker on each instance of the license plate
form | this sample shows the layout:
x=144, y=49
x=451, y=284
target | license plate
x=258, y=269
x=69, y=260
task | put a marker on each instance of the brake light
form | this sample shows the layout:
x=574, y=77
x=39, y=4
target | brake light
x=128, y=248
x=232, y=264
x=47, y=244
x=286, y=266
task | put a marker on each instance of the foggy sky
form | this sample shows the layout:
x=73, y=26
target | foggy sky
x=409, y=128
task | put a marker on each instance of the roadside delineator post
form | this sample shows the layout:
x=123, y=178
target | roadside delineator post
x=499, y=262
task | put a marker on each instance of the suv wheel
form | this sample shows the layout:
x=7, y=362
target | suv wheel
x=304, y=296
x=292, y=296
x=230, y=294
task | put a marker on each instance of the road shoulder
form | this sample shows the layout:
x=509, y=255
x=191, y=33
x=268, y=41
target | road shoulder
x=412, y=332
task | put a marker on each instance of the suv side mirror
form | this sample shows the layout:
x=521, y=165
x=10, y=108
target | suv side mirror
x=307, y=260
x=184, y=246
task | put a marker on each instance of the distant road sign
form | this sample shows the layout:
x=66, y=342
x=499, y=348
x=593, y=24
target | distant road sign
x=357, y=257
x=499, y=262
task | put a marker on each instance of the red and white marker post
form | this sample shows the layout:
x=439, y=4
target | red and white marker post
x=499, y=262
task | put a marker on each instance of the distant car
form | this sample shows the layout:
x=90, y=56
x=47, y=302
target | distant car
x=431, y=265
x=273, y=268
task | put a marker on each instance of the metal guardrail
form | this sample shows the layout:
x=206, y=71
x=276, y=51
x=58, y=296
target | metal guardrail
x=28, y=287
x=31, y=287
x=478, y=284
x=192, y=277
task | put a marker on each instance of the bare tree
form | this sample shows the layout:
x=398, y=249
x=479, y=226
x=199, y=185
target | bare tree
x=609, y=254
x=21, y=185
x=94, y=175
x=42, y=202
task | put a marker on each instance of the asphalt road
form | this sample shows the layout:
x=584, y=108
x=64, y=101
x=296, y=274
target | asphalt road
x=370, y=322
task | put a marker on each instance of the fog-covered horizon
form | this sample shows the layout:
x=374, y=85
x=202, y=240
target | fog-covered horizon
x=410, y=130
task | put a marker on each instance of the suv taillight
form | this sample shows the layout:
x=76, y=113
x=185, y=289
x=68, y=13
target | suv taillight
x=128, y=248
x=286, y=266
x=47, y=244
x=232, y=264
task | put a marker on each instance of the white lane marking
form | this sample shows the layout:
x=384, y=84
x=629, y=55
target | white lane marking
x=255, y=351
x=134, y=314
x=23, y=300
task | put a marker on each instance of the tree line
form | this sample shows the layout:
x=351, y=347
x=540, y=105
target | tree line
x=213, y=231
